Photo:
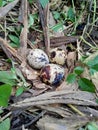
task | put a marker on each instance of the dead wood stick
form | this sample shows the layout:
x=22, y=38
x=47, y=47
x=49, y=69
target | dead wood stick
x=71, y=97
x=4, y=10
x=58, y=41
x=9, y=51
x=44, y=16
x=62, y=40
x=23, y=36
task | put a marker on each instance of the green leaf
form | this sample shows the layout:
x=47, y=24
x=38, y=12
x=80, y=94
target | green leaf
x=4, y=3
x=92, y=71
x=13, y=45
x=57, y=27
x=44, y=3
x=19, y=91
x=71, y=78
x=96, y=100
x=1, y=2
x=19, y=74
x=92, y=126
x=5, y=92
x=81, y=129
x=8, y=77
x=5, y=125
x=93, y=62
x=30, y=1
x=71, y=15
x=31, y=20
x=86, y=85
x=78, y=70
x=95, y=67
x=56, y=15
x=15, y=40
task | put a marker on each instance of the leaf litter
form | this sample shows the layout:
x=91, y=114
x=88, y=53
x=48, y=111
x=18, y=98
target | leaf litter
x=38, y=105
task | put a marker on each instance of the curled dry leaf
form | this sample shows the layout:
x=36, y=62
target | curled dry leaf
x=28, y=72
x=39, y=85
x=71, y=58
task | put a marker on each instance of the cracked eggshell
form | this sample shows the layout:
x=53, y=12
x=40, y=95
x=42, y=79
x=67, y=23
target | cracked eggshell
x=52, y=74
x=57, y=56
x=37, y=58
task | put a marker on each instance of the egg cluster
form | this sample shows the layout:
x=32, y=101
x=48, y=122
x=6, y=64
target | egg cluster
x=50, y=73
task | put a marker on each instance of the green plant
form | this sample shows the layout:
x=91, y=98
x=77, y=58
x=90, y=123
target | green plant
x=44, y=2
x=5, y=2
x=8, y=79
x=14, y=41
x=91, y=126
x=84, y=83
x=5, y=91
x=5, y=124
x=1, y=1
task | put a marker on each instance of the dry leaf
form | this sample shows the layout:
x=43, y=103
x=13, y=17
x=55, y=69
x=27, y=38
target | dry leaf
x=28, y=72
x=86, y=73
x=71, y=58
x=23, y=36
x=69, y=123
x=68, y=87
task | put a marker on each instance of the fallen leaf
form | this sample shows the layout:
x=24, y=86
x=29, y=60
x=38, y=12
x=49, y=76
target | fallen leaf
x=68, y=87
x=71, y=58
x=68, y=123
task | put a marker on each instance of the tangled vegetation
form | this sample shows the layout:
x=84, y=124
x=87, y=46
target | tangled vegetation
x=28, y=103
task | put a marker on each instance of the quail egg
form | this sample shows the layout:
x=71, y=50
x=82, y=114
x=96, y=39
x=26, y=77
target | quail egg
x=37, y=58
x=52, y=74
x=57, y=56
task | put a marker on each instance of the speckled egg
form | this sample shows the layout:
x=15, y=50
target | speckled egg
x=52, y=74
x=37, y=58
x=57, y=56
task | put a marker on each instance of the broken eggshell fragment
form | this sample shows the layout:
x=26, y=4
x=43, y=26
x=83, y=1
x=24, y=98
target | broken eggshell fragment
x=58, y=56
x=52, y=74
x=37, y=58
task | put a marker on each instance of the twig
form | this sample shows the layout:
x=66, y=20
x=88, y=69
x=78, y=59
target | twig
x=32, y=121
x=76, y=110
x=58, y=41
x=23, y=36
x=9, y=51
x=87, y=43
x=7, y=8
x=44, y=16
x=4, y=117
x=94, y=14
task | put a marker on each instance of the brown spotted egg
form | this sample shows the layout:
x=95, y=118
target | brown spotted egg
x=52, y=74
x=57, y=56
x=37, y=58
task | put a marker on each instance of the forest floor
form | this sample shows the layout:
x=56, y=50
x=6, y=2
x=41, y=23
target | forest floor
x=29, y=102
